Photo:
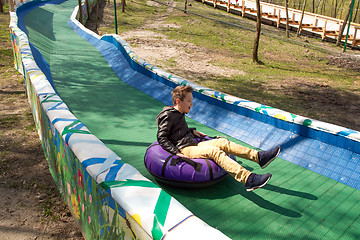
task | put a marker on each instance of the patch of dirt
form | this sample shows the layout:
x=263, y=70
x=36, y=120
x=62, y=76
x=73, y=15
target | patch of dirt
x=342, y=107
x=31, y=206
x=187, y=60
x=347, y=62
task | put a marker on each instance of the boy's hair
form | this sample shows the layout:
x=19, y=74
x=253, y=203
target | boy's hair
x=179, y=93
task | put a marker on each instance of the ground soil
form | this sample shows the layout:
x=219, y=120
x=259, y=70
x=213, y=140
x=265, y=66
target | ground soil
x=31, y=207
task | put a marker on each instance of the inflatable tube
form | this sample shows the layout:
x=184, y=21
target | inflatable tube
x=182, y=172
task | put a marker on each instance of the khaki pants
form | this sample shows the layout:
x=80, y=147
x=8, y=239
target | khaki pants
x=216, y=149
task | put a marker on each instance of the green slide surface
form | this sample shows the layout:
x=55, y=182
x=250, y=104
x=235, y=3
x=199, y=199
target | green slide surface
x=297, y=203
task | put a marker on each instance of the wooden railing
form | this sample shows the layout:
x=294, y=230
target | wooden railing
x=323, y=26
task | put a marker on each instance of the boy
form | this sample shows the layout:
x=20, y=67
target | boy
x=175, y=137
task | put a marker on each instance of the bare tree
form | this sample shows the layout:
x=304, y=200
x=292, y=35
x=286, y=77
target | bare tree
x=317, y=7
x=258, y=32
x=335, y=7
x=323, y=7
x=2, y=3
x=343, y=25
x=123, y=5
x=287, y=18
x=313, y=6
x=80, y=12
x=302, y=17
x=356, y=12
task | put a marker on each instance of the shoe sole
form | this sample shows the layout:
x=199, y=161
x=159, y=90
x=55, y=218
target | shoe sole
x=267, y=164
x=252, y=189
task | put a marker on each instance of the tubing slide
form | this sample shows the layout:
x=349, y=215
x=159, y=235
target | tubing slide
x=94, y=103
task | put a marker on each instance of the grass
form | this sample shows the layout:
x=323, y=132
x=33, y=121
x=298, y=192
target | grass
x=291, y=67
x=137, y=12
x=6, y=52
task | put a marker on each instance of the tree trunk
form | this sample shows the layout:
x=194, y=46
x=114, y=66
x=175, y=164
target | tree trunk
x=335, y=9
x=123, y=4
x=2, y=5
x=317, y=7
x=343, y=25
x=287, y=18
x=322, y=8
x=356, y=12
x=302, y=17
x=258, y=32
x=97, y=14
x=313, y=6
x=80, y=12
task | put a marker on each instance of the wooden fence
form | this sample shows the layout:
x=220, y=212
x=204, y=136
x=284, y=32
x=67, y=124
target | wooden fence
x=323, y=26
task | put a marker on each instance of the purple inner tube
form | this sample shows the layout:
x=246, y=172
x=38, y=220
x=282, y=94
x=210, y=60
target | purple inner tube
x=183, y=172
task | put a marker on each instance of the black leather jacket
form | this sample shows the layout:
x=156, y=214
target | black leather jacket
x=173, y=132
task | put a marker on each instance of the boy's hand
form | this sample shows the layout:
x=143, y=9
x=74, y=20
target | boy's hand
x=179, y=154
x=198, y=134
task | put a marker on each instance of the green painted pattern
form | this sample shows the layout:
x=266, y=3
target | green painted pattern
x=127, y=183
x=160, y=212
x=296, y=203
x=68, y=129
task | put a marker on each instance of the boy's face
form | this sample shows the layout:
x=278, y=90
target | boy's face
x=185, y=105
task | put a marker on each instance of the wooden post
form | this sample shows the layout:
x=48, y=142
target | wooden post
x=278, y=19
x=214, y=3
x=80, y=12
x=228, y=6
x=302, y=17
x=324, y=31
x=185, y=7
x=354, y=42
x=243, y=9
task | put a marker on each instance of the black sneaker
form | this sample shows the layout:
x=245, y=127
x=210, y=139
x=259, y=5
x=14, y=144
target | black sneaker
x=266, y=157
x=257, y=181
